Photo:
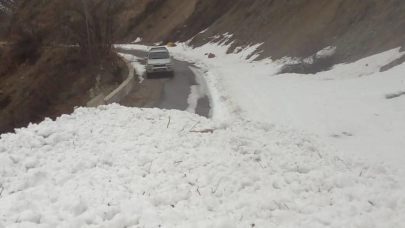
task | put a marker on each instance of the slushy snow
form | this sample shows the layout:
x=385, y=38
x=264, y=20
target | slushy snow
x=119, y=167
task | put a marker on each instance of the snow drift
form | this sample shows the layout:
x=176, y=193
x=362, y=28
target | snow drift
x=126, y=167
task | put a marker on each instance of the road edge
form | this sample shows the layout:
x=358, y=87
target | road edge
x=119, y=93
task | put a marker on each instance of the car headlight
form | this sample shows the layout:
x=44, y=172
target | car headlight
x=149, y=67
x=169, y=66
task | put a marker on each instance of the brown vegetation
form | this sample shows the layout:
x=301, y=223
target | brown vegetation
x=58, y=80
x=91, y=24
x=43, y=72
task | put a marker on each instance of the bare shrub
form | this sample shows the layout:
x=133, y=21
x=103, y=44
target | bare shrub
x=90, y=24
x=25, y=48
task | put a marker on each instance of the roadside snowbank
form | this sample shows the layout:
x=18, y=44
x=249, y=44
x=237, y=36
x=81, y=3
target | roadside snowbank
x=136, y=63
x=346, y=106
x=126, y=167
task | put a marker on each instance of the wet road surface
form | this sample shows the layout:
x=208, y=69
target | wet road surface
x=185, y=91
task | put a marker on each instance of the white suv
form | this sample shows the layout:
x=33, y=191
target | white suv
x=159, y=60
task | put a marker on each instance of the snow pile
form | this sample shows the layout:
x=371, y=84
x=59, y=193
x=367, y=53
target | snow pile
x=326, y=52
x=133, y=46
x=198, y=91
x=136, y=63
x=346, y=106
x=137, y=40
x=121, y=167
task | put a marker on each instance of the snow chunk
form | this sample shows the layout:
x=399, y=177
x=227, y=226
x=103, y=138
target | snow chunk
x=137, y=40
x=326, y=52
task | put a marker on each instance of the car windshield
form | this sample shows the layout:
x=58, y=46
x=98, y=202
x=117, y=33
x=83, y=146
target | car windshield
x=159, y=55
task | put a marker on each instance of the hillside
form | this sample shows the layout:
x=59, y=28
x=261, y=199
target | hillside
x=286, y=28
x=41, y=74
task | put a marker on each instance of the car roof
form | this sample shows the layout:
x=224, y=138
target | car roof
x=157, y=49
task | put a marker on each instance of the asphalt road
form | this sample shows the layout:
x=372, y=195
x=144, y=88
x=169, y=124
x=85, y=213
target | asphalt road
x=182, y=92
